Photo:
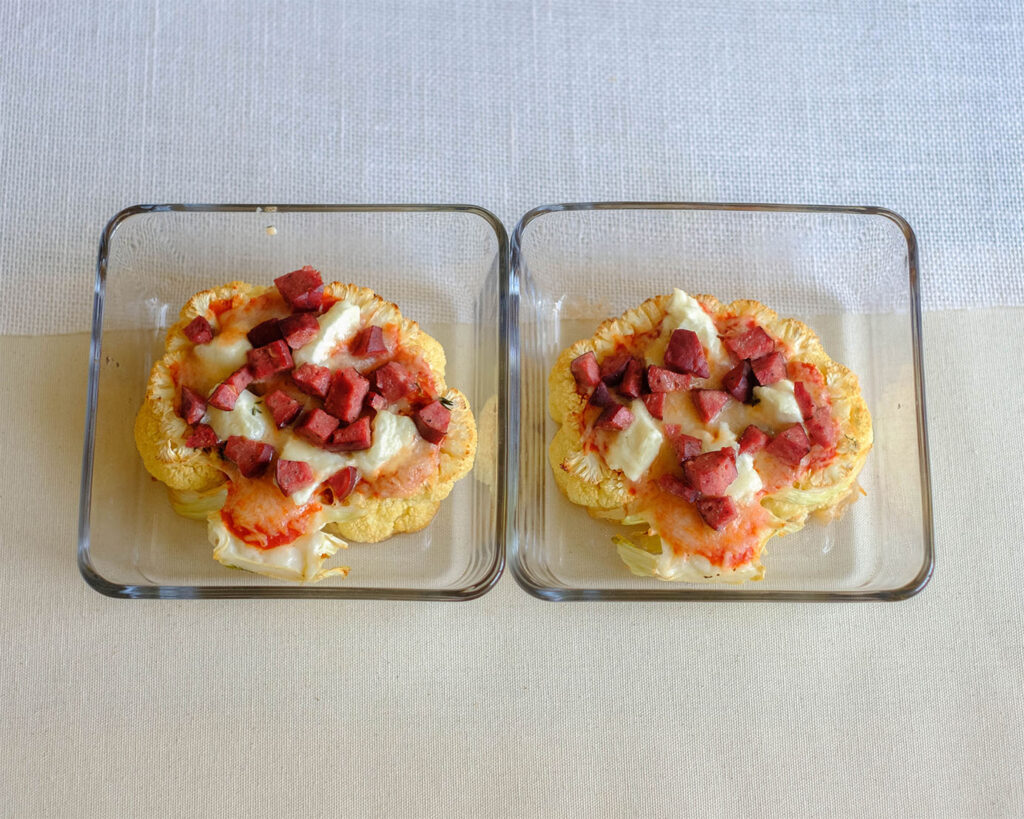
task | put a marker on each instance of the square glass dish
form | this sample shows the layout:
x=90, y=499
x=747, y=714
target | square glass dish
x=444, y=266
x=850, y=273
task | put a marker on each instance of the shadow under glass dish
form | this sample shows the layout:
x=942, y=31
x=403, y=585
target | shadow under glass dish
x=444, y=266
x=849, y=273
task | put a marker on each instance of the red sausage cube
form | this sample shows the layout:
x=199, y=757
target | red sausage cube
x=661, y=380
x=614, y=416
x=270, y=359
x=632, y=379
x=614, y=367
x=393, y=381
x=198, y=331
x=675, y=485
x=432, y=421
x=342, y=483
x=193, y=405
x=752, y=344
x=655, y=403
x=312, y=379
x=354, y=436
x=317, y=426
x=251, y=457
x=369, y=342
x=712, y=472
x=283, y=408
x=753, y=440
x=739, y=382
x=803, y=399
x=585, y=370
x=239, y=379
x=790, y=445
x=601, y=396
x=302, y=289
x=717, y=512
x=264, y=333
x=769, y=368
x=821, y=428
x=201, y=436
x=292, y=476
x=299, y=329
x=226, y=393
x=685, y=446
x=345, y=396
x=686, y=355
x=708, y=403
x=375, y=401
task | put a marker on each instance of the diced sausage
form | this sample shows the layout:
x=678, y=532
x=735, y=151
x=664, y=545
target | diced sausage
x=342, y=483
x=675, y=485
x=821, y=428
x=752, y=344
x=739, y=382
x=655, y=403
x=264, y=333
x=299, y=329
x=317, y=426
x=312, y=379
x=251, y=457
x=717, y=512
x=269, y=360
x=708, y=402
x=292, y=476
x=685, y=446
x=201, y=436
x=790, y=445
x=345, y=397
x=352, y=437
x=753, y=440
x=393, y=381
x=369, y=342
x=375, y=401
x=661, y=380
x=614, y=367
x=769, y=368
x=226, y=393
x=585, y=370
x=685, y=354
x=632, y=379
x=712, y=472
x=283, y=408
x=601, y=396
x=614, y=416
x=432, y=421
x=198, y=331
x=803, y=399
x=193, y=405
x=302, y=289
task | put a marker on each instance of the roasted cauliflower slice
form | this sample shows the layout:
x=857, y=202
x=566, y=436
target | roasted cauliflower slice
x=675, y=544
x=397, y=490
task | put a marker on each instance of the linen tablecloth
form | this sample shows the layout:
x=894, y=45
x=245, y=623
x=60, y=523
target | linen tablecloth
x=507, y=705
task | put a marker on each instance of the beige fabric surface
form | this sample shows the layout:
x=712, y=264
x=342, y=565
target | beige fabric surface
x=507, y=705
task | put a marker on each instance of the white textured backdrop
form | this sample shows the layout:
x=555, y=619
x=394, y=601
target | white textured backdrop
x=911, y=105
x=508, y=706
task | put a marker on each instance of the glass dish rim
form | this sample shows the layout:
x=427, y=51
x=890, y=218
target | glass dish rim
x=507, y=456
x=719, y=594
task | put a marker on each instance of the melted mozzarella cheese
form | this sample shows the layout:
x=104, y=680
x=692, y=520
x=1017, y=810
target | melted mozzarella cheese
x=687, y=314
x=336, y=325
x=392, y=435
x=223, y=355
x=747, y=483
x=778, y=403
x=249, y=419
x=634, y=448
